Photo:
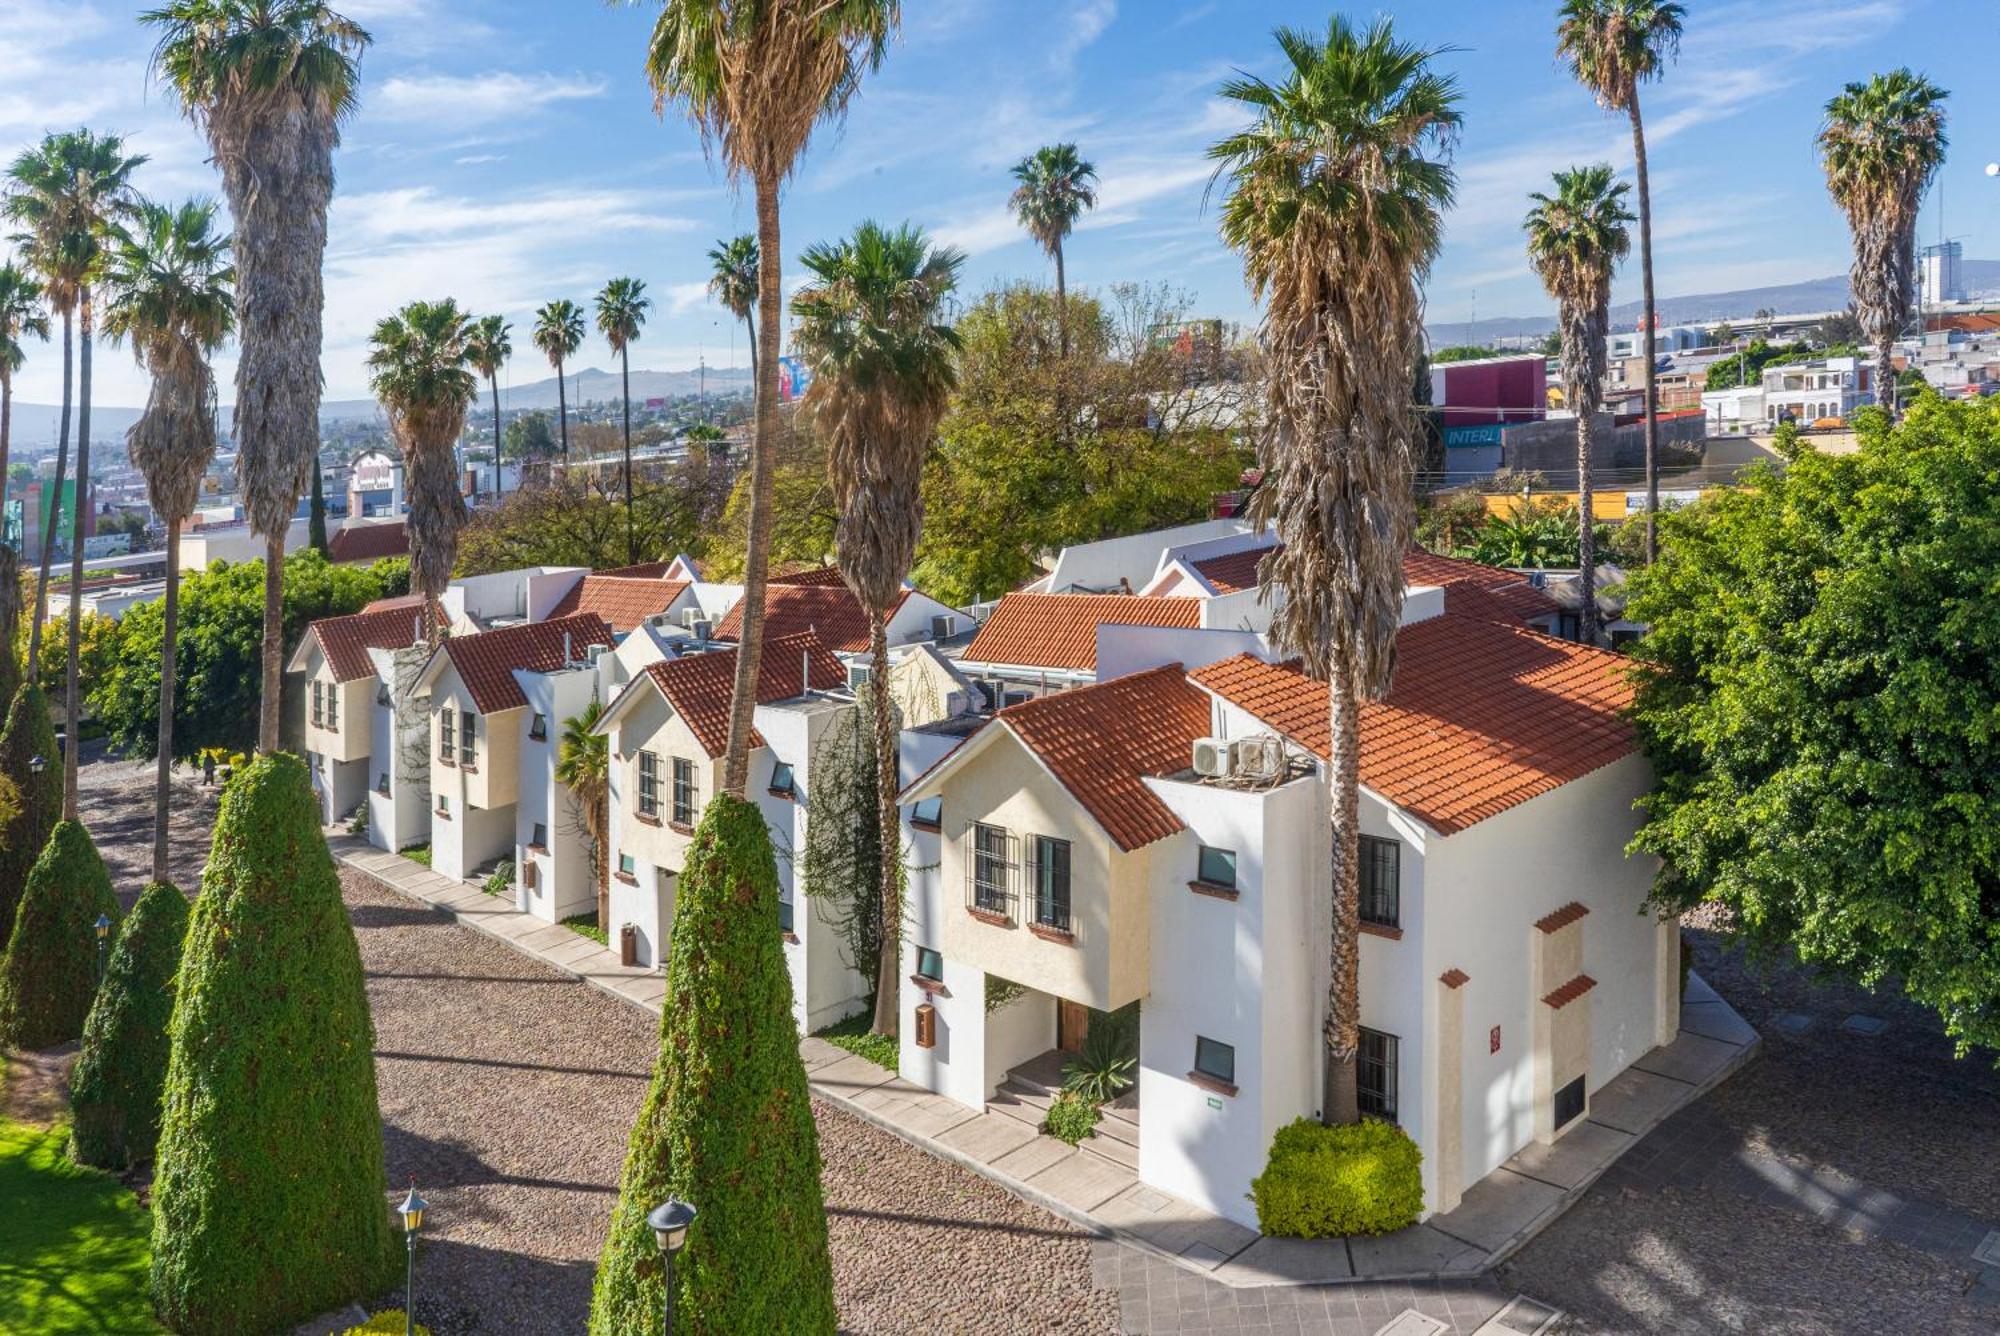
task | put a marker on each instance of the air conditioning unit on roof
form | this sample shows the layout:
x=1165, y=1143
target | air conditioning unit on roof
x=1212, y=758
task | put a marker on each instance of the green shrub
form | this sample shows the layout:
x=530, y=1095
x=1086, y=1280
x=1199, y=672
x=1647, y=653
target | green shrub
x=28, y=734
x=501, y=880
x=419, y=853
x=1071, y=1117
x=48, y=977
x=727, y=1124
x=115, y=1103
x=1102, y=1069
x=856, y=1034
x=1323, y=1182
x=389, y=1322
x=268, y=1204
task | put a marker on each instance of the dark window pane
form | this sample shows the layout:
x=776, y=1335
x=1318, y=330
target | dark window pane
x=781, y=778
x=929, y=963
x=1376, y=1074
x=927, y=811
x=1381, y=881
x=1215, y=1060
x=1569, y=1103
x=785, y=915
x=1052, y=882
x=1217, y=866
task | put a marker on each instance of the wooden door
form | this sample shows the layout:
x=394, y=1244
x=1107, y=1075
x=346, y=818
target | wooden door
x=1072, y=1020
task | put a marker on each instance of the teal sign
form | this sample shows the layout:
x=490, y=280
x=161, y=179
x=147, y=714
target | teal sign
x=1459, y=437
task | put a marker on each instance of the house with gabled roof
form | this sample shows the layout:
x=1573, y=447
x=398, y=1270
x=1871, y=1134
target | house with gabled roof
x=830, y=611
x=349, y=667
x=668, y=729
x=1161, y=840
x=496, y=703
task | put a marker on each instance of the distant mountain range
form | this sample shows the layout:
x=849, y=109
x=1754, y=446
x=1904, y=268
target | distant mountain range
x=35, y=424
x=1981, y=278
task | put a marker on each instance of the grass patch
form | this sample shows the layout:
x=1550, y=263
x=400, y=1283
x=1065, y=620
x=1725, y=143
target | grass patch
x=76, y=1244
x=585, y=925
x=853, y=1035
x=419, y=854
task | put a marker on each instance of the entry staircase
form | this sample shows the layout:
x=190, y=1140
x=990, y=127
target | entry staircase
x=1030, y=1088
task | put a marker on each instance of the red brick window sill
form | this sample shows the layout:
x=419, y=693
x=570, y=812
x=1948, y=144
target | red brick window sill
x=470, y=768
x=446, y=760
x=931, y=826
x=679, y=827
x=786, y=794
x=442, y=815
x=1212, y=1085
x=791, y=938
x=935, y=987
x=989, y=916
x=535, y=848
x=1214, y=891
x=1047, y=933
x=645, y=820
x=628, y=878
x=1381, y=930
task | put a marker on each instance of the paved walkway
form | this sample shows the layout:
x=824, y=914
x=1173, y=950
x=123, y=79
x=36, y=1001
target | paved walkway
x=1448, y=1253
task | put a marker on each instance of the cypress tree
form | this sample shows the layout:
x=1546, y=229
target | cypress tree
x=28, y=734
x=268, y=1200
x=48, y=977
x=115, y=1089
x=727, y=1123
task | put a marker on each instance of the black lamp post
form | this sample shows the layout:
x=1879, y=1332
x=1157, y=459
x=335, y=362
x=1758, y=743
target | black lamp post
x=412, y=1211
x=38, y=763
x=670, y=1221
x=103, y=926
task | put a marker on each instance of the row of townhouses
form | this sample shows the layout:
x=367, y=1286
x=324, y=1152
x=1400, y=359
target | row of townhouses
x=1115, y=800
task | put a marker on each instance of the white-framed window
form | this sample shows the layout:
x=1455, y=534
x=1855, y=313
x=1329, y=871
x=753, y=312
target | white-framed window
x=468, y=737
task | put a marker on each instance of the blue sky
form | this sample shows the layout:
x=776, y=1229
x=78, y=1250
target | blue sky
x=507, y=151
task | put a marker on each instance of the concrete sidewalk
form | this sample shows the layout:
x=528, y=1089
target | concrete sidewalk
x=1496, y=1216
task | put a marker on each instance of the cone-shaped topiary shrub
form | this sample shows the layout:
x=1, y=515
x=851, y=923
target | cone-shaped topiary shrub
x=115, y=1090
x=48, y=977
x=27, y=734
x=268, y=1195
x=727, y=1124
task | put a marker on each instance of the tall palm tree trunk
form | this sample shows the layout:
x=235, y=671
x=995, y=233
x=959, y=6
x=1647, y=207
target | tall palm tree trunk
x=169, y=666
x=273, y=644
x=72, y=704
x=889, y=964
x=631, y=539
x=1885, y=371
x=1062, y=305
x=1586, y=543
x=6, y=437
x=499, y=482
x=1646, y=271
x=1340, y=1096
x=600, y=835
x=750, y=324
x=55, y=504
x=562, y=409
x=757, y=543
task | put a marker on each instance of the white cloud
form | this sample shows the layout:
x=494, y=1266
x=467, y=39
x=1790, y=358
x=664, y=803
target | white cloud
x=443, y=102
x=1086, y=23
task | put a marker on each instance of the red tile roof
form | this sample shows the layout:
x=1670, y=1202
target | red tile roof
x=808, y=575
x=621, y=600
x=699, y=685
x=486, y=662
x=370, y=542
x=1101, y=741
x=1060, y=630
x=1481, y=717
x=399, y=601
x=345, y=641
x=645, y=570
x=1232, y=572
x=829, y=611
x=1509, y=590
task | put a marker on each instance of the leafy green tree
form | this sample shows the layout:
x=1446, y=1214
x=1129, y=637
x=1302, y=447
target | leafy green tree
x=1826, y=672
x=579, y=521
x=27, y=735
x=221, y=619
x=122, y=1068
x=48, y=975
x=529, y=437
x=269, y=1202
x=727, y=1122
x=1466, y=352
x=840, y=864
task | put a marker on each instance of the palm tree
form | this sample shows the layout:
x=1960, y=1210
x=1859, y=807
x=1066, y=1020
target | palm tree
x=1056, y=187
x=583, y=766
x=734, y=284
x=1881, y=144
x=22, y=316
x=559, y=333
x=169, y=284
x=1612, y=47
x=270, y=82
x=621, y=314
x=421, y=370
x=488, y=347
x=884, y=365
x=1575, y=239
x=755, y=78
x=71, y=195
x=1337, y=192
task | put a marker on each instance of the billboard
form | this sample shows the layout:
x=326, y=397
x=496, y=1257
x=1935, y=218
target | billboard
x=794, y=379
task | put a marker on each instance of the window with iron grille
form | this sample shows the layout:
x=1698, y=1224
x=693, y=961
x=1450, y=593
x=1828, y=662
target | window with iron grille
x=1381, y=881
x=447, y=733
x=318, y=710
x=1048, y=876
x=649, y=784
x=683, y=791
x=468, y=739
x=333, y=708
x=991, y=870
x=1375, y=1074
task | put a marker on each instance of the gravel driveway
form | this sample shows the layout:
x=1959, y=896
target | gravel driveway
x=508, y=1091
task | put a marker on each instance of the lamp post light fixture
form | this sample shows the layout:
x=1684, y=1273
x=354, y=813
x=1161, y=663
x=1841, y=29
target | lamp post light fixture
x=412, y=1210
x=103, y=926
x=38, y=763
x=670, y=1221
